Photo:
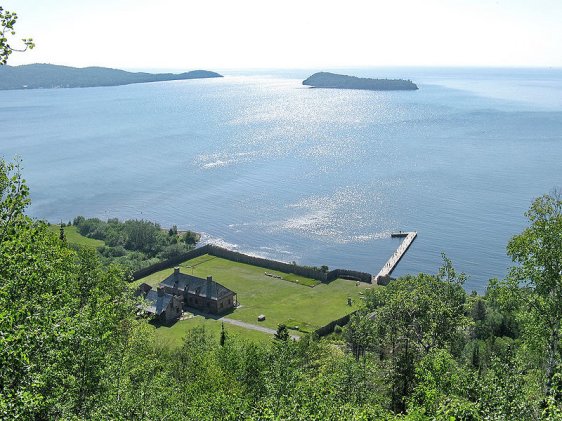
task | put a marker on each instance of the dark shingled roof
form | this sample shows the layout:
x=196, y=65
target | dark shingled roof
x=155, y=303
x=197, y=286
x=142, y=289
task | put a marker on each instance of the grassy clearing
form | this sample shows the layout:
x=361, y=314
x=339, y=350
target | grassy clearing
x=279, y=300
x=74, y=237
x=175, y=334
x=291, y=277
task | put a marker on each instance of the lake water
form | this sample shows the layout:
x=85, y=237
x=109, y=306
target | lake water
x=263, y=165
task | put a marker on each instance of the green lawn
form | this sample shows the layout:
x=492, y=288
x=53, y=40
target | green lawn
x=174, y=335
x=74, y=237
x=279, y=300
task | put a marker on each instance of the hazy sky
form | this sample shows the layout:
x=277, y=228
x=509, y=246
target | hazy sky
x=219, y=34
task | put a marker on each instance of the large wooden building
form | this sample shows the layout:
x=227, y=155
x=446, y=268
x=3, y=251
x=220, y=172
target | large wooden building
x=203, y=294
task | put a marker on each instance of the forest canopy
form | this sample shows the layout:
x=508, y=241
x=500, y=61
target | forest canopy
x=135, y=243
x=420, y=348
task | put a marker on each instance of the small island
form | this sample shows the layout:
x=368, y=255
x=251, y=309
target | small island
x=335, y=81
x=47, y=76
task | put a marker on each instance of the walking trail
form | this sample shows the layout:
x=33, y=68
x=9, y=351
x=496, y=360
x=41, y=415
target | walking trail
x=253, y=327
x=241, y=324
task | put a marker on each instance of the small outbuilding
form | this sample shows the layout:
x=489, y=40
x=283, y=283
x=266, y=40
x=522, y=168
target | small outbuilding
x=164, y=307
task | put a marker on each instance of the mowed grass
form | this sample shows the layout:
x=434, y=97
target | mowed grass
x=279, y=300
x=175, y=334
x=74, y=237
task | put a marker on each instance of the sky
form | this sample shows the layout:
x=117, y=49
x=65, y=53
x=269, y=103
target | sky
x=242, y=34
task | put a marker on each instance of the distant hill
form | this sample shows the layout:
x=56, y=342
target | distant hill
x=333, y=80
x=34, y=76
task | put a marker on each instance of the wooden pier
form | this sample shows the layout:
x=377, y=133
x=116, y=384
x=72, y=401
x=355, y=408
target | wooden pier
x=389, y=266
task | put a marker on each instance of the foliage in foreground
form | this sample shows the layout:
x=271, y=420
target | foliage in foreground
x=7, y=31
x=420, y=349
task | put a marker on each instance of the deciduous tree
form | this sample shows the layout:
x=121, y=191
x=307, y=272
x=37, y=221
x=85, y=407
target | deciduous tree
x=7, y=31
x=412, y=316
x=538, y=253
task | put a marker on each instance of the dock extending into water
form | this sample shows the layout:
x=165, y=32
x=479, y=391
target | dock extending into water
x=389, y=266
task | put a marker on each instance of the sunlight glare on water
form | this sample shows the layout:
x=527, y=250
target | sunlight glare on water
x=269, y=167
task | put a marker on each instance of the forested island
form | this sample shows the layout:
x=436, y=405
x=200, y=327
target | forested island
x=36, y=76
x=336, y=81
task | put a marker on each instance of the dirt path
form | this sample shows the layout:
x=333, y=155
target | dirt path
x=253, y=327
x=239, y=323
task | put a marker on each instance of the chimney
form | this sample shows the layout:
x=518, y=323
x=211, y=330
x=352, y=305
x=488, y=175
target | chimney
x=160, y=291
x=209, y=291
x=176, y=270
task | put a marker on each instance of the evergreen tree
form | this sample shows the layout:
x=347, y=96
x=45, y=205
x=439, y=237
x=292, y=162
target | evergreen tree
x=282, y=333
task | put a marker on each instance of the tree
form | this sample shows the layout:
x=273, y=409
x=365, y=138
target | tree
x=190, y=238
x=441, y=385
x=62, y=236
x=7, y=23
x=223, y=335
x=413, y=316
x=359, y=334
x=60, y=313
x=538, y=253
x=14, y=197
x=282, y=333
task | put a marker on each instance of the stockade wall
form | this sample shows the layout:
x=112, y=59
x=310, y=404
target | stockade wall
x=213, y=250
x=329, y=328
